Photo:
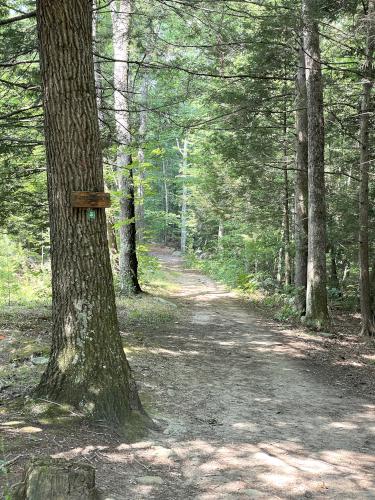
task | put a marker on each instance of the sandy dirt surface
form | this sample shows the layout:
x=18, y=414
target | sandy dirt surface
x=245, y=412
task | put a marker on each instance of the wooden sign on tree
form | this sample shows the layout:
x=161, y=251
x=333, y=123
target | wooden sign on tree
x=90, y=199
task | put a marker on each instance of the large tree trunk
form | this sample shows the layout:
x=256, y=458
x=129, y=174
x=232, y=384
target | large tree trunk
x=301, y=186
x=87, y=367
x=316, y=294
x=121, y=12
x=368, y=325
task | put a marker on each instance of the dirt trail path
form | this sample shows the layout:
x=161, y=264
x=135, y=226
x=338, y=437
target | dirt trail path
x=248, y=418
x=245, y=412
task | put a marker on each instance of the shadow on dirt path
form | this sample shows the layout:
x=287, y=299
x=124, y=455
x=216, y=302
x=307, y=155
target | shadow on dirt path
x=245, y=414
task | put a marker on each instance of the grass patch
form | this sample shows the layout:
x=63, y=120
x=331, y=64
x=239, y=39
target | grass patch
x=153, y=307
x=160, y=281
x=25, y=331
x=144, y=311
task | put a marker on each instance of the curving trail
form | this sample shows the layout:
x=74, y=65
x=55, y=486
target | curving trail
x=247, y=416
x=244, y=412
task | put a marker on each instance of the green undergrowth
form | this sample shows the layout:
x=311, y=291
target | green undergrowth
x=24, y=348
x=24, y=279
x=153, y=307
x=144, y=311
x=155, y=279
x=265, y=292
x=25, y=335
x=262, y=290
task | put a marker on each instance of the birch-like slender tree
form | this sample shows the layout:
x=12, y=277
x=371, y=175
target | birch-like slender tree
x=111, y=232
x=166, y=200
x=141, y=160
x=184, y=196
x=128, y=268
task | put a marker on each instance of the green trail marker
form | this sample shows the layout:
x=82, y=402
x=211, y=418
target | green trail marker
x=91, y=214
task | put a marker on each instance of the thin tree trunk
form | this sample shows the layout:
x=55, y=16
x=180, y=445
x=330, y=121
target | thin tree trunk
x=301, y=186
x=279, y=265
x=184, y=165
x=112, y=239
x=334, y=279
x=166, y=202
x=87, y=367
x=346, y=272
x=367, y=314
x=121, y=12
x=112, y=242
x=316, y=294
x=141, y=160
x=111, y=233
x=286, y=236
x=97, y=68
x=220, y=235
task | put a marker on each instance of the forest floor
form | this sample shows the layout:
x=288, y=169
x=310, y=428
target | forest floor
x=248, y=408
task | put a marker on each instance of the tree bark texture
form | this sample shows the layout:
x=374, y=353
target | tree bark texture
x=140, y=212
x=166, y=201
x=87, y=367
x=57, y=479
x=111, y=233
x=128, y=272
x=301, y=186
x=220, y=235
x=334, y=278
x=367, y=314
x=316, y=293
x=184, y=164
x=279, y=266
x=286, y=235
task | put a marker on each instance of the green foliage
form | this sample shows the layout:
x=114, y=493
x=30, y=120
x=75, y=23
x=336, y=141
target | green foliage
x=240, y=134
x=146, y=311
x=287, y=313
x=23, y=280
x=148, y=265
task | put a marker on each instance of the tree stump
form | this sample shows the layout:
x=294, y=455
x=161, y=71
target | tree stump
x=57, y=479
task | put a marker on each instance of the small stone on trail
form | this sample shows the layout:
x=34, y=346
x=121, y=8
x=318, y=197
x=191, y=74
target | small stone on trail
x=150, y=480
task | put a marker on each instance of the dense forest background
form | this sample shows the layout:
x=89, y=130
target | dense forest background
x=207, y=121
x=175, y=175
